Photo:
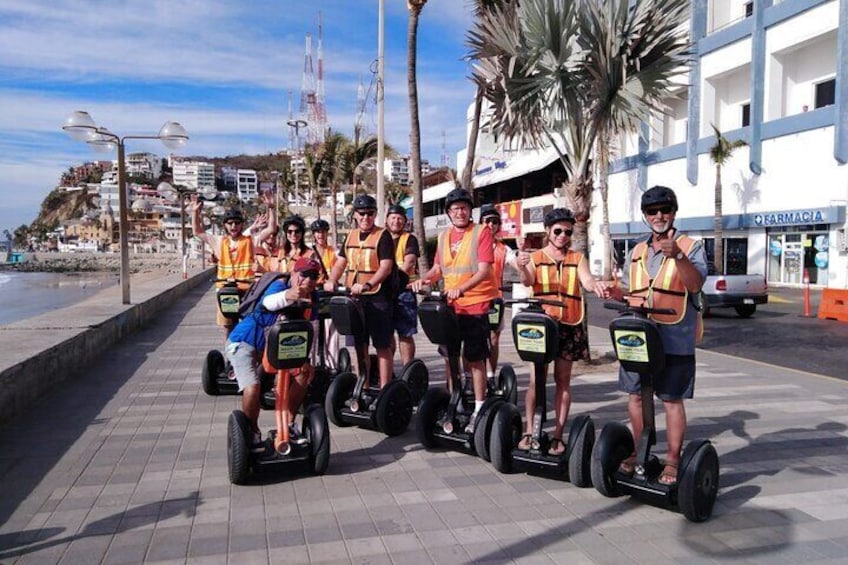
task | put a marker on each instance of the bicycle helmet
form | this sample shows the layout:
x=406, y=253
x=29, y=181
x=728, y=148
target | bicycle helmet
x=657, y=196
x=488, y=210
x=396, y=209
x=364, y=202
x=233, y=215
x=296, y=221
x=458, y=195
x=558, y=215
x=320, y=225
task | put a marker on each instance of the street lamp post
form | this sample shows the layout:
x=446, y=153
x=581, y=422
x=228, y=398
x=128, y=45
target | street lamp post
x=81, y=127
x=172, y=193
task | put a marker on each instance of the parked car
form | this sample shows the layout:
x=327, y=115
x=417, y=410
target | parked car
x=740, y=292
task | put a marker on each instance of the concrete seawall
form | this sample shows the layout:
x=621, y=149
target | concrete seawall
x=41, y=352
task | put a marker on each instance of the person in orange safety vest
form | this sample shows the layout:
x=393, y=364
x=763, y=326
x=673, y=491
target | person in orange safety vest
x=557, y=272
x=666, y=270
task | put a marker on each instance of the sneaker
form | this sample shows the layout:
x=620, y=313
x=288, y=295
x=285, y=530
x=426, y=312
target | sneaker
x=295, y=435
x=469, y=429
x=256, y=444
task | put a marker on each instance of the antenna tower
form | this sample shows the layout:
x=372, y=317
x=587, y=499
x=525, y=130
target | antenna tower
x=320, y=106
x=308, y=98
x=445, y=160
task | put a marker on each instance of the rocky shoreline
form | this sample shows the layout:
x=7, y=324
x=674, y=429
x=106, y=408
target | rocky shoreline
x=94, y=262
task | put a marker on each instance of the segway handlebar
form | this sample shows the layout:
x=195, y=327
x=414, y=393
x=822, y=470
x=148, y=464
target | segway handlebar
x=531, y=300
x=625, y=308
x=232, y=280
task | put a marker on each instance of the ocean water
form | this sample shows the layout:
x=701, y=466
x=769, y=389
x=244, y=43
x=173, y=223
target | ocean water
x=25, y=295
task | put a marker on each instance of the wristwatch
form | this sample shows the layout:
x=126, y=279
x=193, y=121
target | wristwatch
x=680, y=255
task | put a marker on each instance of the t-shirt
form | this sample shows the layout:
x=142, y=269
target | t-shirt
x=485, y=254
x=250, y=329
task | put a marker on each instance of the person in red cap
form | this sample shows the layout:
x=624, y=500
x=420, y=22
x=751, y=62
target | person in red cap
x=246, y=342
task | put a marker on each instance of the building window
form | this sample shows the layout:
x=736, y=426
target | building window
x=746, y=114
x=825, y=94
x=749, y=9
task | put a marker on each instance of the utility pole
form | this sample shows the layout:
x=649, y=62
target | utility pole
x=381, y=152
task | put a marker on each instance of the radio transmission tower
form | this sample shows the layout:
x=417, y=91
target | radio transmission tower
x=320, y=106
x=308, y=97
x=445, y=160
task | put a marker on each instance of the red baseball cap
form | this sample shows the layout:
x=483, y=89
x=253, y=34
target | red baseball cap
x=305, y=264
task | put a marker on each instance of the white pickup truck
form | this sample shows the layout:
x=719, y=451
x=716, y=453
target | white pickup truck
x=741, y=292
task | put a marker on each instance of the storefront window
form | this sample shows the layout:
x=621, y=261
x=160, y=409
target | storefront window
x=790, y=253
x=735, y=255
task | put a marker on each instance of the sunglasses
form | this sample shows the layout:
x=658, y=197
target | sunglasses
x=660, y=210
x=311, y=275
x=493, y=221
x=367, y=213
x=559, y=231
x=298, y=232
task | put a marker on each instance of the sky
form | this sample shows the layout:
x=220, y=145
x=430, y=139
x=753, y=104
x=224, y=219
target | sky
x=222, y=68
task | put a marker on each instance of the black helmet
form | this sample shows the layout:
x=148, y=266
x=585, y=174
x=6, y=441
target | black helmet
x=233, y=215
x=558, y=215
x=294, y=221
x=488, y=210
x=658, y=195
x=364, y=202
x=396, y=209
x=458, y=195
x=320, y=225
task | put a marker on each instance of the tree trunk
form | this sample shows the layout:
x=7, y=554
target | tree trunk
x=471, y=153
x=718, y=246
x=334, y=228
x=603, y=186
x=415, y=133
x=578, y=196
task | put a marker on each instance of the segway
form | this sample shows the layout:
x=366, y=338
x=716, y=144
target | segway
x=639, y=348
x=288, y=349
x=536, y=338
x=442, y=415
x=217, y=377
x=352, y=399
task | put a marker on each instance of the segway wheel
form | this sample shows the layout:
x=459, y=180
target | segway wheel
x=316, y=392
x=343, y=361
x=581, y=439
x=339, y=392
x=317, y=431
x=433, y=406
x=697, y=481
x=213, y=366
x=238, y=447
x=483, y=428
x=417, y=376
x=506, y=431
x=267, y=398
x=394, y=408
x=614, y=445
x=508, y=384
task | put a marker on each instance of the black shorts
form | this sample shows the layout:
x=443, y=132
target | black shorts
x=676, y=382
x=378, y=314
x=475, y=337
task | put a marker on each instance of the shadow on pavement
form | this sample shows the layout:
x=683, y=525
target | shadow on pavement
x=117, y=523
x=61, y=418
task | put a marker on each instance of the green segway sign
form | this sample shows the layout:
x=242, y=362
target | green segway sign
x=631, y=346
x=229, y=303
x=292, y=345
x=530, y=338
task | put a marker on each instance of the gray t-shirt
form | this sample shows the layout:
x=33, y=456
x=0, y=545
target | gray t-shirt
x=678, y=339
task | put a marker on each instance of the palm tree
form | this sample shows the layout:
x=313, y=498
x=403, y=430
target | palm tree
x=480, y=7
x=720, y=153
x=415, y=7
x=566, y=73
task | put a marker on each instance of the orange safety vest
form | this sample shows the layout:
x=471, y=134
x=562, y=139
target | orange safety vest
x=283, y=263
x=328, y=259
x=400, y=248
x=666, y=289
x=238, y=267
x=362, y=259
x=500, y=260
x=558, y=280
x=459, y=268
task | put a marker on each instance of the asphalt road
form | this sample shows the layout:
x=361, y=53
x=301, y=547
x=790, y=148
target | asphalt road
x=776, y=334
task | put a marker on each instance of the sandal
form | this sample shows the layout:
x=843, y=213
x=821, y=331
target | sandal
x=628, y=466
x=524, y=442
x=668, y=477
x=556, y=448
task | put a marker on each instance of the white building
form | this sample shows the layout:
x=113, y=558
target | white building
x=397, y=169
x=194, y=174
x=247, y=184
x=147, y=165
x=774, y=74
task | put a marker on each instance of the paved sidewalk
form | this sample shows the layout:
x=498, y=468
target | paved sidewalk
x=128, y=464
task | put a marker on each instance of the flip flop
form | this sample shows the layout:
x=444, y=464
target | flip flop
x=628, y=466
x=668, y=477
x=556, y=448
x=524, y=442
